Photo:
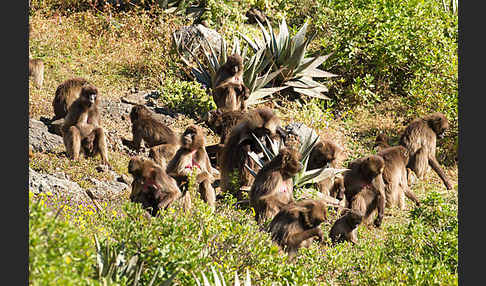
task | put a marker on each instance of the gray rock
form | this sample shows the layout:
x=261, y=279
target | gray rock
x=41, y=139
x=192, y=38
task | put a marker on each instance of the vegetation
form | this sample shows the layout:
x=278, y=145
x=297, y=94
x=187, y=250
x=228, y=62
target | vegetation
x=395, y=60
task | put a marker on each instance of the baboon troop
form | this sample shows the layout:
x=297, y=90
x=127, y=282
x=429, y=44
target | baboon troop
x=230, y=93
x=273, y=187
x=420, y=139
x=176, y=160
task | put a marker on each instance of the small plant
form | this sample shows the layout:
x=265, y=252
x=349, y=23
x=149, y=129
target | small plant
x=286, y=55
x=219, y=279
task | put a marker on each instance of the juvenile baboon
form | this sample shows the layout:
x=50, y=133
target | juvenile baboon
x=381, y=142
x=147, y=128
x=192, y=155
x=297, y=223
x=229, y=92
x=82, y=122
x=420, y=139
x=395, y=176
x=36, y=71
x=151, y=185
x=66, y=93
x=345, y=228
x=364, y=187
x=234, y=155
x=325, y=153
x=273, y=186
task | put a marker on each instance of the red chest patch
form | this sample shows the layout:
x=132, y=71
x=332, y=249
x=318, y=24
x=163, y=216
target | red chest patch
x=193, y=162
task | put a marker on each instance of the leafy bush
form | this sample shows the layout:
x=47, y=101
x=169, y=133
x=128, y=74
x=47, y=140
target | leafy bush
x=186, y=97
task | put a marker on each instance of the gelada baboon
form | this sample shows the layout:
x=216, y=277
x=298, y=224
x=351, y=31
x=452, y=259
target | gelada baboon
x=66, y=93
x=365, y=195
x=151, y=185
x=364, y=187
x=297, y=223
x=149, y=129
x=273, y=186
x=234, y=155
x=36, y=71
x=345, y=228
x=230, y=93
x=395, y=176
x=82, y=123
x=325, y=153
x=221, y=123
x=420, y=139
x=192, y=156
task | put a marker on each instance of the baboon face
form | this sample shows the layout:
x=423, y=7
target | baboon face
x=338, y=190
x=318, y=213
x=214, y=120
x=137, y=112
x=192, y=138
x=438, y=122
x=354, y=218
x=89, y=94
x=290, y=161
x=234, y=65
x=372, y=166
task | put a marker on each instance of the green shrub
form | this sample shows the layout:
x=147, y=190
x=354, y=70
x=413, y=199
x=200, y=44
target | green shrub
x=59, y=253
x=186, y=97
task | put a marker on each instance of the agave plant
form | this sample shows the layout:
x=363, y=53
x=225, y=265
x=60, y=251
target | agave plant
x=219, y=279
x=112, y=265
x=287, y=55
x=304, y=176
x=253, y=67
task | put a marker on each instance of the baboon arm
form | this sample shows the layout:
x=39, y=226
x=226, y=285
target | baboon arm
x=380, y=188
x=412, y=196
x=436, y=167
x=298, y=238
x=137, y=141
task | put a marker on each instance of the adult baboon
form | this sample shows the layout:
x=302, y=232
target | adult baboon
x=36, y=71
x=273, y=186
x=325, y=153
x=229, y=92
x=297, y=223
x=149, y=129
x=192, y=156
x=395, y=176
x=151, y=185
x=66, y=93
x=82, y=122
x=234, y=156
x=420, y=139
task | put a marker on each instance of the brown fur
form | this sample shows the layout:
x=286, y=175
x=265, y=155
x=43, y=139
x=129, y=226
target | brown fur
x=381, y=142
x=81, y=122
x=273, y=187
x=364, y=187
x=346, y=228
x=234, y=155
x=297, y=223
x=229, y=92
x=36, y=70
x=420, y=139
x=395, y=176
x=151, y=185
x=325, y=152
x=66, y=93
x=147, y=128
x=192, y=154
